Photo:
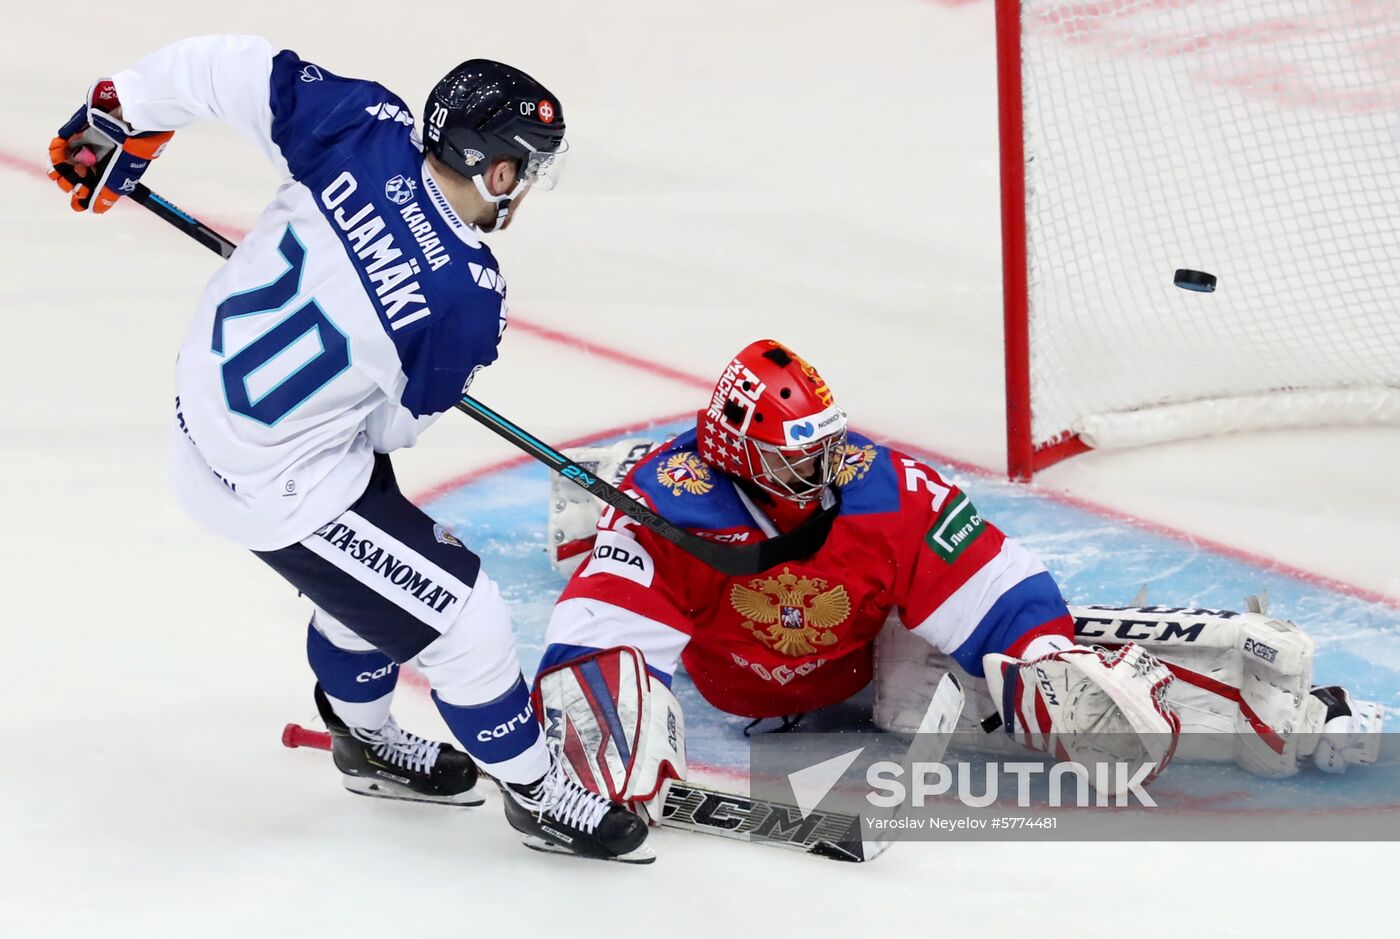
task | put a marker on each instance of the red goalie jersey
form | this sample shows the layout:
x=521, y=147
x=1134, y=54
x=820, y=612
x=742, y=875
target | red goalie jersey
x=800, y=636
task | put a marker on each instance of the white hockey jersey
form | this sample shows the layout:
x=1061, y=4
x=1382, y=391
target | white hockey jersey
x=356, y=311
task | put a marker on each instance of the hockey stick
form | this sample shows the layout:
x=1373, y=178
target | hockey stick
x=183, y=220
x=706, y=810
x=734, y=560
x=835, y=835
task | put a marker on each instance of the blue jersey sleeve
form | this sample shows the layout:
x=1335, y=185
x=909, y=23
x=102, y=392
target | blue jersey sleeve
x=441, y=357
x=312, y=110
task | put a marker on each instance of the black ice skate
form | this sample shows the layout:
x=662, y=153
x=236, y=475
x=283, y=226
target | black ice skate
x=558, y=815
x=392, y=763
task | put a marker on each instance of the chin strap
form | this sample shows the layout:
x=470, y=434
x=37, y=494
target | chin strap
x=503, y=202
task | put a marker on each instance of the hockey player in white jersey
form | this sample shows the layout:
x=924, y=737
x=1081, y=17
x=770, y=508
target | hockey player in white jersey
x=353, y=315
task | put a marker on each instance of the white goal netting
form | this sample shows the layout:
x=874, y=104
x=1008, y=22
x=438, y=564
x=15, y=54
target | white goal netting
x=1257, y=140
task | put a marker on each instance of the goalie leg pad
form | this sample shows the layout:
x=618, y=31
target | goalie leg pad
x=1244, y=688
x=620, y=732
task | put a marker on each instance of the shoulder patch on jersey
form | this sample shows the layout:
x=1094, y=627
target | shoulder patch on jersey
x=444, y=535
x=956, y=527
x=868, y=482
x=856, y=460
x=390, y=111
x=488, y=276
x=684, y=472
x=692, y=494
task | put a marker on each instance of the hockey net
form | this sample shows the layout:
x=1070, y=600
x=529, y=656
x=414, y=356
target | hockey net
x=1257, y=141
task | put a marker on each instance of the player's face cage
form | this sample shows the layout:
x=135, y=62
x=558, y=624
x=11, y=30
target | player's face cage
x=797, y=473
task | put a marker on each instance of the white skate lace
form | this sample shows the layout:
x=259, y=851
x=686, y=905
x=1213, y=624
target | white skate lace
x=401, y=748
x=561, y=798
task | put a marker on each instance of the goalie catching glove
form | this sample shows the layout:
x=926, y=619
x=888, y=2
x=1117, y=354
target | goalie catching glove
x=620, y=730
x=1089, y=705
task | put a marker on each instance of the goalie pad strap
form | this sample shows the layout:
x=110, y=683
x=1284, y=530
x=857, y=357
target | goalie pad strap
x=1266, y=733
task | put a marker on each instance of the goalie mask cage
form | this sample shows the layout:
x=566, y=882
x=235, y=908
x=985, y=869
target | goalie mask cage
x=1256, y=140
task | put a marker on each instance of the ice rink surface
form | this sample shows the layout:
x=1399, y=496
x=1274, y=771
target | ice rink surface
x=821, y=172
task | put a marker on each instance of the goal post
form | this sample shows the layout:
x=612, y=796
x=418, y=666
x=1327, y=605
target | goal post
x=1258, y=142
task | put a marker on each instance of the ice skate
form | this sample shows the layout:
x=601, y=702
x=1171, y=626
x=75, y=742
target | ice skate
x=557, y=815
x=391, y=763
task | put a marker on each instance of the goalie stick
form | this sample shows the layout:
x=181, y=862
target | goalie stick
x=710, y=811
x=833, y=835
x=734, y=560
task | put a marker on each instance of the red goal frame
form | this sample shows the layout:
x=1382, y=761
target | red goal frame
x=1023, y=458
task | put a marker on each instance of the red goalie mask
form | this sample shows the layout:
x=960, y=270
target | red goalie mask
x=772, y=421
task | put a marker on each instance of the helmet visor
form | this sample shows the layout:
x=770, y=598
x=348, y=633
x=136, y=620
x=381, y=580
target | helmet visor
x=542, y=168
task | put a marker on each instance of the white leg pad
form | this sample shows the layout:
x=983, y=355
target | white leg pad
x=1242, y=690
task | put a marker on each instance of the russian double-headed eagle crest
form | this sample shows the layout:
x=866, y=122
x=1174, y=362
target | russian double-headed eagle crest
x=791, y=614
x=684, y=472
x=855, y=463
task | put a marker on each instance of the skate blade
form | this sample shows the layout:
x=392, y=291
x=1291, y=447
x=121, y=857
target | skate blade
x=377, y=789
x=644, y=854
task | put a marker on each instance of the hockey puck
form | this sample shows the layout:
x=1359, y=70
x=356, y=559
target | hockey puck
x=1199, y=281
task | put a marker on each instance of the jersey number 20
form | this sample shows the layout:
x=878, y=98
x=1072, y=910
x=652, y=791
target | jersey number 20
x=275, y=373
